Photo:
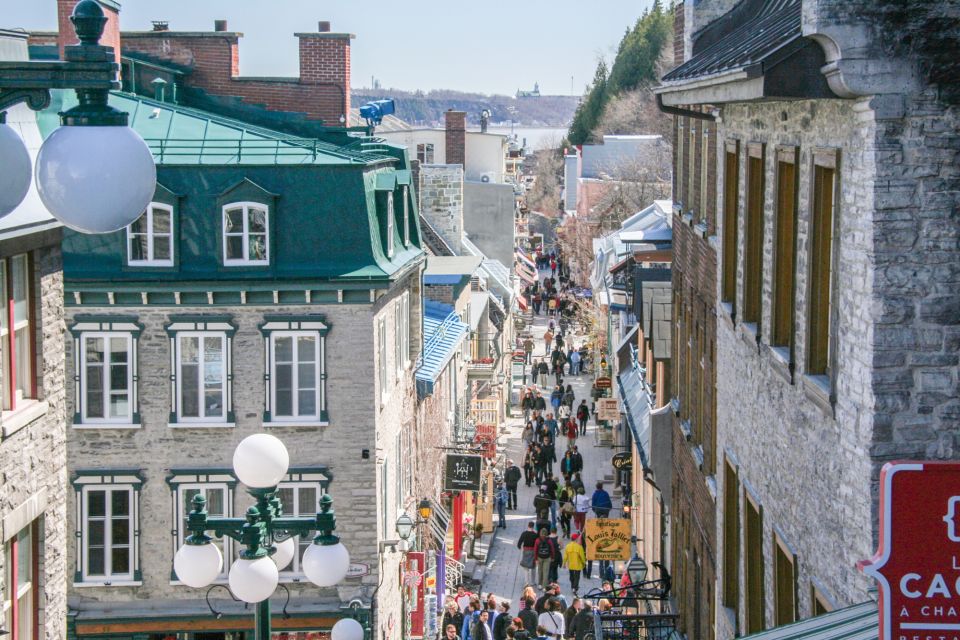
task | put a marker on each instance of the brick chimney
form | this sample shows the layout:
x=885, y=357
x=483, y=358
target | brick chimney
x=325, y=60
x=111, y=31
x=456, y=137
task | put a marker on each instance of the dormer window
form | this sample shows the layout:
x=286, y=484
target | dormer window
x=246, y=234
x=150, y=237
x=390, y=224
x=406, y=216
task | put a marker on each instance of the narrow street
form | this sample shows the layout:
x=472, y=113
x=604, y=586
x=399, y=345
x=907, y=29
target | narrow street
x=504, y=576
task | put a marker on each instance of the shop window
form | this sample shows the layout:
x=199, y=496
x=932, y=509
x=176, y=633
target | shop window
x=753, y=546
x=753, y=240
x=108, y=527
x=17, y=340
x=150, y=237
x=822, y=231
x=785, y=248
x=246, y=234
x=21, y=603
x=731, y=537
x=731, y=205
x=785, y=577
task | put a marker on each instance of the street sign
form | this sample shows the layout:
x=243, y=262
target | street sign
x=917, y=564
x=608, y=539
x=603, y=383
x=623, y=461
x=608, y=409
x=358, y=570
x=462, y=472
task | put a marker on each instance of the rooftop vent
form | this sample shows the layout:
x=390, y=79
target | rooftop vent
x=323, y=26
x=160, y=25
x=219, y=25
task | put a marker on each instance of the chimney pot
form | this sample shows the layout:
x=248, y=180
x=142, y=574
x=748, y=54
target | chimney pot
x=219, y=25
x=160, y=25
x=323, y=26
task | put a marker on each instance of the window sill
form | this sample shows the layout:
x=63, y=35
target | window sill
x=118, y=583
x=245, y=263
x=711, y=482
x=296, y=423
x=701, y=228
x=817, y=389
x=201, y=425
x=749, y=334
x=107, y=425
x=147, y=264
x=726, y=309
x=780, y=359
x=13, y=421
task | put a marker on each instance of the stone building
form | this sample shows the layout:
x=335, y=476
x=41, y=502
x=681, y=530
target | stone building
x=837, y=308
x=230, y=308
x=33, y=479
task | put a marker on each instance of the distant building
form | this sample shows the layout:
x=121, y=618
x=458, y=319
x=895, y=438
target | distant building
x=530, y=94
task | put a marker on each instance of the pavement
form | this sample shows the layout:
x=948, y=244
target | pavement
x=503, y=574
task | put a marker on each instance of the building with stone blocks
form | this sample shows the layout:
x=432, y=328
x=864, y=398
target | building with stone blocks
x=33, y=479
x=298, y=332
x=837, y=279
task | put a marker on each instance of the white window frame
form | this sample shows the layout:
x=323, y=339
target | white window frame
x=382, y=359
x=203, y=419
x=404, y=338
x=245, y=234
x=294, y=511
x=398, y=339
x=391, y=224
x=152, y=261
x=184, y=507
x=406, y=215
x=109, y=577
x=22, y=396
x=29, y=592
x=319, y=370
x=106, y=336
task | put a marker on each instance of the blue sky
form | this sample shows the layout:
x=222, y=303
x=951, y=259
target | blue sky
x=491, y=46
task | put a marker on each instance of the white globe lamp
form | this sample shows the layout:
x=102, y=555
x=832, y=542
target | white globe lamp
x=326, y=564
x=284, y=553
x=197, y=565
x=253, y=580
x=261, y=461
x=17, y=170
x=347, y=629
x=95, y=179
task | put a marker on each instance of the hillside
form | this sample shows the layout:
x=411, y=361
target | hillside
x=419, y=108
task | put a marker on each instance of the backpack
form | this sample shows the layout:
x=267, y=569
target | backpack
x=544, y=549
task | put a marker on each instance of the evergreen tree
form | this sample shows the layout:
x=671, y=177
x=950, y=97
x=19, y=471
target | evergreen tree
x=590, y=110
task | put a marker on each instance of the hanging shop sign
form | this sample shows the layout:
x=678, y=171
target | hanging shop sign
x=622, y=461
x=603, y=382
x=608, y=539
x=462, y=472
x=917, y=564
x=608, y=409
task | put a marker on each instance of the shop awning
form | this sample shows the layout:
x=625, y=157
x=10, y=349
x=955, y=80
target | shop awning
x=438, y=523
x=526, y=259
x=522, y=302
x=442, y=333
x=618, y=300
x=636, y=407
x=526, y=274
x=859, y=622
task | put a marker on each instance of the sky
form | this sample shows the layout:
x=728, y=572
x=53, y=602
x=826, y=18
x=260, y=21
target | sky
x=494, y=46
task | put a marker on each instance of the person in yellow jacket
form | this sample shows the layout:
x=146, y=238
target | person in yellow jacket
x=574, y=559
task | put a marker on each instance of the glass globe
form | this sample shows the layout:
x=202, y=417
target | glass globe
x=17, y=171
x=95, y=179
x=347, y=629
x=261, y=461
x=197, y=565
x=284, y=553
x=326, y=564
x=253, y=580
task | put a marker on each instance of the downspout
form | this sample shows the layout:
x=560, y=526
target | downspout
x=679, y=111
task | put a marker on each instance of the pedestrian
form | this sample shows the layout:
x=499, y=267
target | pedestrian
x=528, y=591
x=574, y=559
x=583, y=623
x=583, y=414
x=463, y=597
x=552, y=486
x=502, y=621
x=511, y=478
x=601, y=502
x=566, y=509
x=547, y=340
x=481, y=628
x=535, y=371
x=571, y=432
x=552, y=426
x=526, y=543
x=552, y=620
x=581, y=504
x=528, y=616
x=544, y=551
x=577, y=462
x=574, y=358
x=452, y=617
x=527, y=434
x=568, y=397
x=563, y=413
x=529, y=464
x=470, y=619
x=557, y=559
x=541, y=504
x=544, y=370
x=556, y=397
x=548, y=456
x=537, y=302
x=501, y=498
x=528, y=349
x=527, y=404
x=569, y=615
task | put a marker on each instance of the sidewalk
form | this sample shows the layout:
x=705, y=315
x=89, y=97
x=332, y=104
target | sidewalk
x=504, y=576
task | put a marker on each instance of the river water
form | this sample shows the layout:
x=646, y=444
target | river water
x=537, y=137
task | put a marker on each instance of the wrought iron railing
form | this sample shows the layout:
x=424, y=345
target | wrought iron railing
x=485, y=349
x=639, y=611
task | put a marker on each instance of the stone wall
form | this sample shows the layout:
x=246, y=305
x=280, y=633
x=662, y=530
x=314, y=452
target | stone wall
x=33, y=457
x=441, y=201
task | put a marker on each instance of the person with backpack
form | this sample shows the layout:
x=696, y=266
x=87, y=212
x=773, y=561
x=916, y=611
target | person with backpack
x=574, y=559
x=544, y=550
x=571, y=432
x=583, y=414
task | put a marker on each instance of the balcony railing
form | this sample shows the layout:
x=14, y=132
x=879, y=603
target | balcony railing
x=485, y=350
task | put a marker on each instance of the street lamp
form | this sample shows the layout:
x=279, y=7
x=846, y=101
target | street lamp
x=260, y=462
x=425, y=509
x=404, y=526
x=94, y=174
x=637, y=570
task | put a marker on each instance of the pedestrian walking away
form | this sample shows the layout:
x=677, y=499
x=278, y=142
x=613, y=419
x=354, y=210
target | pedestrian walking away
x=527, y=543
x=574, y=559
x=501, y=498
x=511, y=478
x=544, y=550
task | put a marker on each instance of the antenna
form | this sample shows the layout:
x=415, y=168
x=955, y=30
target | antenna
x=571, y=86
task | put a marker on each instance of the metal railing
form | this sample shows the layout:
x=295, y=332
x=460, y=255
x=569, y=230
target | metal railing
x=485, y=410
x=453, y=573
x=485, y=349
x=640, y=611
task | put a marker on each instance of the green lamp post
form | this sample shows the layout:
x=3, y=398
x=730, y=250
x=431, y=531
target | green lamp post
x=260, y=462
x=95, y=174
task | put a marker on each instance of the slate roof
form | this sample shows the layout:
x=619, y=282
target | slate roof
x=859, y=622
x=771, y=27
x=636, y=407
x=442, y=333
x=661, y=310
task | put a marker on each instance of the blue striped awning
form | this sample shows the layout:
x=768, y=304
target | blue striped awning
x=442, y=333
x=636, y=407
x=859, y=622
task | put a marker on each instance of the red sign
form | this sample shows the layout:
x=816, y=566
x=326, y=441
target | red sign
x=413, y=580
x=917, y=565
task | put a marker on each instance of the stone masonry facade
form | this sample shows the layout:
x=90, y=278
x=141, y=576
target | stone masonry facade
x=33, y=452
x=441, y=201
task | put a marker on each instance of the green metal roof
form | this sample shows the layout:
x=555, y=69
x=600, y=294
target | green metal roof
x=859, y=622
x=179, y=135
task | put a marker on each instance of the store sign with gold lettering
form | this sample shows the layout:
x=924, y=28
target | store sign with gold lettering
x=917, y=564
x=622, y=461
x=608, y=539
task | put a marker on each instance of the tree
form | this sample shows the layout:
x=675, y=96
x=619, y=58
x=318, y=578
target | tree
x=590, y=110
x=634, y=183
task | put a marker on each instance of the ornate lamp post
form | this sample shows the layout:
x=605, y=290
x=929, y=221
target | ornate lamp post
x=95, y=174
x=260, y=462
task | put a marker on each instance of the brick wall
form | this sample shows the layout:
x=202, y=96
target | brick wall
x=456, y=137
x=67, y=34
